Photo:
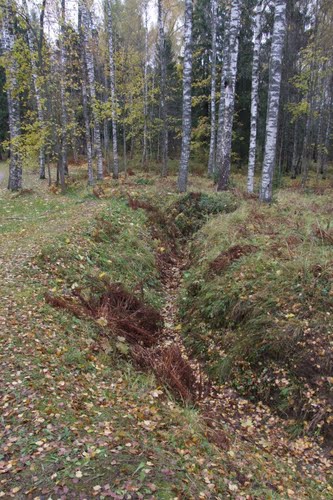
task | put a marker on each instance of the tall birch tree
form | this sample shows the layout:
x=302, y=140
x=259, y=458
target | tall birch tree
x=85, y=105
x=90, y=66
x=8, y=47
x=187, y=99
x=229, y=85
x=212, y=145
x=145, y=86
x=62, y=163
x=218, y=149
x=37, y=87
x=113, y=89
x=254, y=95
x=163, y=104
x=273, y=100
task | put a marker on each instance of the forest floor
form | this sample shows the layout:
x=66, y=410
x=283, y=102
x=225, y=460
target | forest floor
x=79, y=420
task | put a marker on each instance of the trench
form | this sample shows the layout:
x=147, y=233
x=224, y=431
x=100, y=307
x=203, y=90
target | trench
x=226, y=416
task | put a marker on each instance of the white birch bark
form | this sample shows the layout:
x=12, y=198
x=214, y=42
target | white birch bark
x=187, y=99
x=218, y=150
x=63, y=166
x=273, y=100
x=8, y=42
x=224, y=164
x=113, y=91
x=212, y=145
x=38, y=92
x=163, y=108
x=90, y=65
x=85, y=105
x=254, y=97
x=145, y=88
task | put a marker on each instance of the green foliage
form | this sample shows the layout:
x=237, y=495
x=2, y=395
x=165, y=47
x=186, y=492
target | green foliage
x=129, y=260
x=192, y=210
x=261, y=318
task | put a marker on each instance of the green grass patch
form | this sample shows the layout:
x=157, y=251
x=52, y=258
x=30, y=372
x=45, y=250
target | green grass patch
x=262, y=318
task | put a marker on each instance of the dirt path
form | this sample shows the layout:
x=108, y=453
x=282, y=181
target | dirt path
x=230, y=417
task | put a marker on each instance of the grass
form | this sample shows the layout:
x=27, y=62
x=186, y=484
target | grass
x=263, y=319
x=77, y=417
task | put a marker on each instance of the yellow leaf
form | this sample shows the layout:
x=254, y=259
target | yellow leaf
x=102, y=321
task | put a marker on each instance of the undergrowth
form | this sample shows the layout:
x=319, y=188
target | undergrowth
x=257, y=305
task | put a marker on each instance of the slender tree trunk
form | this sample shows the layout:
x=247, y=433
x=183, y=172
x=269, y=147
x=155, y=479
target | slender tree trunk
x=306, y=149
x=229, y=96
x=8, y=42
x=124, y=150
x=218, y=150
x=106, y=136
x=295, y=158
x=89, y=60
x=163, y=105
x=187, y=99
x=324, y=151
x=145, y=89
x=273, y=100
x=113, y=92
x=87, y=127
x=212, y=145
x=37, y=88
x=63, y=167
x=254, y=97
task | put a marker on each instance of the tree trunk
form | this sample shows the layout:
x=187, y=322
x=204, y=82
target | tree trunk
x=8, y=41
x=163, y=108
x=212, y=144
x=113, y=92
x=38, y=96
x=145, y=89
x=229, y=96
x=295, y=158
x=273, y=100
x=254, y=98
x=106, y=142
x=63, y=167
x=218, y=150
x=85, y=104
x=89, y=59
x=324, y=151
x=187, y=99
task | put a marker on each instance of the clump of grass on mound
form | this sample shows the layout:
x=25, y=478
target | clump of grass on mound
x=258, y=304
x=116, y=247
x=192, y=210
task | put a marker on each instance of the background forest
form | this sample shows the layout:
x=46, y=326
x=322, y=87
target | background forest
x=121, y=83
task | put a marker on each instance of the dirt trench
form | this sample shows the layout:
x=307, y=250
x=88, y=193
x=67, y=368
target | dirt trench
x=226, y=416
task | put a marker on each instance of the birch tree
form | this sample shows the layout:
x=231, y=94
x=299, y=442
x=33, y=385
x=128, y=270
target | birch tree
x=87, y=127
x=62, y=163
x=254, y=96
x=212, y=145
x=218, y=150
x=145, y=87
x=163, y=108
x=113, y=90
x=37, y=86
x=273, y=100
x=8, y=47
x=90, y=66
x=187, y=99
x=229, y=85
